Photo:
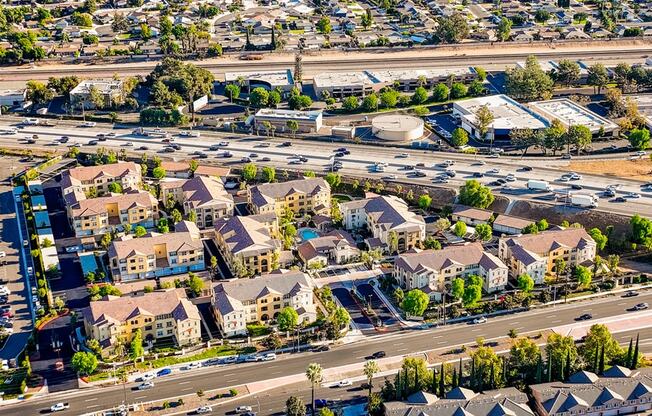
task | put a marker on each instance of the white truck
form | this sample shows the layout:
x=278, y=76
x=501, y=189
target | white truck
x=538, y=185
x=160, y=133
x=584, y=200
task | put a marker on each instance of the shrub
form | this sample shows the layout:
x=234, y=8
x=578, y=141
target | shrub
x=233, y=392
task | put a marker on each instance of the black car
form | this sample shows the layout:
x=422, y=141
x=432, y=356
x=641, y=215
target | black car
x=341, y=149
x=421, y=165
x=379, y=354
x=526, y=168
x=450, y=173
x=287, y=144
x=620, y=199
x=585, y=317
x=420, y=174
x=339, y=154
x=577, y=187
x=478, y=175
x=501, y=181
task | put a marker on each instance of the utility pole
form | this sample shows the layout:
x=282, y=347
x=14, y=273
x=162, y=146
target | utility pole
x=298, y=64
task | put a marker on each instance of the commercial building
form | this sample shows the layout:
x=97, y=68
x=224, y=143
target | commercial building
x=307, y=121
x=344, y=84
x=618, y=391
x=336, y=247
x=536, y=254
x=239, y=302
x=462, y=402
x=270, y=80
x=155, y=255
x=13, y=98
x=471, y=216
x=508, y=115
x=301, y=196
x=203, y=195
x=570, y=113
x=111, y=91
x=76, y=182
x=397, y=127
x=434, y=270
x=506, y=224
x=249, y=244
x=98, y=216
x=385, y=217
x=162, y=314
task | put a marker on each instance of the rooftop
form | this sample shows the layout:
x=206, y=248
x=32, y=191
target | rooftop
x=391, y=75
x=396, y=122
x=289, y=114
x=343, y=79
x=572, y=114
x=95, y=206
x=267, y=193
x=147, y=244
x=464, y=255
x=103, y=86
x=508, y=114
x=273, y=78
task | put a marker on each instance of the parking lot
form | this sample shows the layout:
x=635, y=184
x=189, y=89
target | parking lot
x=387, y=318
x=341, y=270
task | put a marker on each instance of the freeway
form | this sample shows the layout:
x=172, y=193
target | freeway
x=360, y=163
x=497, y=59
x=397, y=344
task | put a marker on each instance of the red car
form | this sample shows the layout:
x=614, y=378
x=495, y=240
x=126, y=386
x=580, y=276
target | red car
x=7, y=314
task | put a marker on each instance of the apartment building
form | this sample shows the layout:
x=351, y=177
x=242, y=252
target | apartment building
x=302, y=196
x=336, y=247
x=155, y=255
x=162, y=314
x=76, y=182
x=238, y=302
x=249, y=244
x=111, y=91
x=618, y=391
x=203, y=195
x=98, y=216
x=536, y=254
x=434, y=270
x=384, y=216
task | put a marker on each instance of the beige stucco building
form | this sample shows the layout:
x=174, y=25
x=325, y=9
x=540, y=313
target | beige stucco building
x=302, y=196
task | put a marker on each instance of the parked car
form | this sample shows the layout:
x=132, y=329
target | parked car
x=192, y=366
x=344, y=383
x=164, y=372
x=147, y=377
x=630, y=294
x=203, y=410
x=270, y=356
x=480, y=320
x=146, y=386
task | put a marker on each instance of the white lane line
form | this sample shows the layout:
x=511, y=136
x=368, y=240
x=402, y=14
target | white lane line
x=402, y=349
x=95, y=405
x=438, y=336
x=520, y=327
x=186, y=389
x=517, y=322
x=441, y=342
x=556, y=322
x=398, y=343
x=226, y=375
x=91, y=400
x=476, y=330
x=552, y=316
x=140, y=397
x=587, y=309
x=277, y=372
x=184, y=382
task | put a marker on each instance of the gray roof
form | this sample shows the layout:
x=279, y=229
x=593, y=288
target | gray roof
x=245, y=233
x=463, y=255
x=267, y=193
x=389, y=212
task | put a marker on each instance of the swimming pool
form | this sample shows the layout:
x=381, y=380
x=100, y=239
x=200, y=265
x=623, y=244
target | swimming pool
x=307, y=234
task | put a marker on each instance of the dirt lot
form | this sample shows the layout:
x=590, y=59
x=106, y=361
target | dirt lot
x=628, y=169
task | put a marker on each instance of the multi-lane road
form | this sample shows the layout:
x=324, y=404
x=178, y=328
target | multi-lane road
x=398, y=344
x=359, y=163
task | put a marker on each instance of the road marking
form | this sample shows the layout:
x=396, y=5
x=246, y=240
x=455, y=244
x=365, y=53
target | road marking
x=476, y=330
x=226, y=375
x=438, y=336
x=441, y=342
x=398, y=343
x=91, y=400
x=140, y=397
x=517, y=322
x=520, y=327
x=95, y=405
x=185, y=382
x=231, y=380
x=586, y=310
x=622, y=303
x=557, y=321
x=552, y=316
x=277, y=372
x=402, y=349
x=186, y=389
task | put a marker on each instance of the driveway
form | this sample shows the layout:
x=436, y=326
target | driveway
x=348, y=302
x=390, y=323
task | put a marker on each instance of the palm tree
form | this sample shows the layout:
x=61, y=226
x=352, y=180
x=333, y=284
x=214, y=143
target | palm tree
x=314, y=374
x=370, y=369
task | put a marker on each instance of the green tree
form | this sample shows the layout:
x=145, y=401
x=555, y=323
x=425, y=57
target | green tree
x=458, y=90
x=370, y=369
x=475, y=194
x=294, y=406
x=420, y=96
x=524, y=357
x=483, y=120
x=136, y=349
x=457, y=288
x=324, y=25
x=415, y=302
x=459, y=137
x=350, y=104
x=195, y=284
x=452, y=29
x=599, y=238
x=489, y=367
x=484, y=232
x=504, y=29
x=115, y=187
x=333, y=179
x=598, y=77
x=440, y=92
x=579, y=136
x=472, y=292
x=287, y=319
x=249, y=172
x=232, y=91
x=583, y=275
x=140, y=231
x=293, y=126
x=598, y=336
x=424, y=201
x=259, y=97
x=568, y=72
x=340, y=317
x=561, y=349
x=639, y=138
x=158, y=172
x=389, y=98
x=315, y=375
x=525, y=282
x=38, y=93
x=529, y=83
x=84, y=362
x=370, y=103
x=269, y=174
x=460, y=229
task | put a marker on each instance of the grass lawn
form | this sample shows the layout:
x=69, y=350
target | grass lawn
x=214, y=352
x=124, y=36
x=341, y=198
x=258, y=330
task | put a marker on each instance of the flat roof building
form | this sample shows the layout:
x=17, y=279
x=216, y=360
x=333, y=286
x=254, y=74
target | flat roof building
x=269, y=80
x=570, y=113
x=13, y=98
x=308, y=121
x=111, y=90
x=508, y=115
x=397, y=127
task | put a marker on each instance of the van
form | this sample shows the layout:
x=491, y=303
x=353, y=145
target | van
x=270, y=356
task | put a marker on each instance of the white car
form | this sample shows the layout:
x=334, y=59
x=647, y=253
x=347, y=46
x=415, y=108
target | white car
x=403, y=155
x=564, y=179
x=129, y=144
x=204, y=409
x=88, y=124
x=641, y=153
x=243, y=409
x=58, y=407
x=3, y=254
x=148, y=376
x=270, y=356
x=223, y=143
x=510, y=178
x=494, y=171
x=4, y=290
x=145, y=386
x=390, y=177
x=5, y=365
x=641, y=306
x=633, y=195
x=480, y=320
x=192, y=366
x=344, y=383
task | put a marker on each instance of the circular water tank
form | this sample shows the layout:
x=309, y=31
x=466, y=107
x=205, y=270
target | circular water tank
x=397, y=127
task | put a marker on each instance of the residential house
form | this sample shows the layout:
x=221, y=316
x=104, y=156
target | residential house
x=249, y=244
x=434, y=270
x=155, y=255
x=471, y=216
x=203, y=195
x=336, y=247
x=76, y=182
x=387, y=218
x=506, y=224
x=98, y=216
x=239, y=302
x=618, y=391
x=302, y=196
x=536, y=254
x=162, y=314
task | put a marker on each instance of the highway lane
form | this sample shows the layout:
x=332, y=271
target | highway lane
x=394, y=344
x=391, y=59
x=360, y=163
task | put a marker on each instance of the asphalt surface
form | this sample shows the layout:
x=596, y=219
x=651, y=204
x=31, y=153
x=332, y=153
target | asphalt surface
x=396, y=344
x=361, y=160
